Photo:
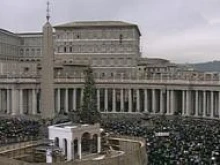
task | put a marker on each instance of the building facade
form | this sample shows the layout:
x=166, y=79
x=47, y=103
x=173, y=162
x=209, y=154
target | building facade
x=126, y=82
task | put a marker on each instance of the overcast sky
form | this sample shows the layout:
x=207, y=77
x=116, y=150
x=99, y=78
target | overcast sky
x=178, y=30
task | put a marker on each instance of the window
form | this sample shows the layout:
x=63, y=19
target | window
x=71, y=49
x=38, y=52
x=22, y=41
x=120, y=38
x=67, y=35
x=32, y=52
x=22, y=51
x=27, y=52
x=26, y=69
x=64, y=49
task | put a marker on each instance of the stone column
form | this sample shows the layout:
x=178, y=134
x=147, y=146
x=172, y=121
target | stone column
x=113, y=100
x=183, y=103
x=138, y=100
x=98, y=100
x=129, y=100
x=74, y=99
x=30, y=101
x=168, y=101
x=172, y=102
x=14, y=101
x=0, y=100
x=145, y=100
x=98, y=144
x=79, y=149
x=73, y=151
x=106, y=100
x=161, y=102
x=196, y=103
x=122, y=100
x=21, y=102
x=58, y=100
x=69, y=150
x=66, y=101
x=81, y=99
x=153, y=101
x=34, y=102
x=219, y=104
x=212, y=104
x=61, y=145
x=188, y=103
x=8, y=101
x=204, y=103
x=215, y=115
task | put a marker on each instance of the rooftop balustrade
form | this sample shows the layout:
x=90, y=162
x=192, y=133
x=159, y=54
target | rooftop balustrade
x=151, y=78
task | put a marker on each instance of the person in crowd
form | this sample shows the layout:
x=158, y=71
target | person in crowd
x=18, y=130
x=174, y=141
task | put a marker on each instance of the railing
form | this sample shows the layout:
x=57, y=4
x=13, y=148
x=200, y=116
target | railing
x=148, y=80
x=162, y=79
x=31, y=79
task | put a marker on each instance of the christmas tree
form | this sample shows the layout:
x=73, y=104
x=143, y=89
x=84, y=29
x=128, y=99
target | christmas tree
x=88, y=112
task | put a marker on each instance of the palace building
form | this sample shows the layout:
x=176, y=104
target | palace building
x=43, y=73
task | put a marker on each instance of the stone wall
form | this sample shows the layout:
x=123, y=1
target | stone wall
x=135, y=154
x=18, y=146
x=9, y=44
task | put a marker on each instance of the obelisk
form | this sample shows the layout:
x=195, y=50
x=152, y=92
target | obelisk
x=47, y=76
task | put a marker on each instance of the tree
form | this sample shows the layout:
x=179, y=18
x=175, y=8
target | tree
x=89, y=113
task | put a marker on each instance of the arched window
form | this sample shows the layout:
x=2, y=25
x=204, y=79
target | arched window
x=86, y=142
x=75, y=147
x=65, y=146
x=56, y=141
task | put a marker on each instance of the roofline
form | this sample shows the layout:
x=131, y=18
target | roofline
x=30, y=33
x=95, y=26
x=8, y=32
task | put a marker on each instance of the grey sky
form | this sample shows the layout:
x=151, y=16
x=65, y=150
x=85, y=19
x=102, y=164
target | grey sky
x=178, y=30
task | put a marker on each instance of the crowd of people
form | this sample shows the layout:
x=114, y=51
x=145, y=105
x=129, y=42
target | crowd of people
x=174, y=140
x=18, y=130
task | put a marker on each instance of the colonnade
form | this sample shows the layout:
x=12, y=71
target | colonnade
x=197, y=103
x=202, y=103
x=19, y=101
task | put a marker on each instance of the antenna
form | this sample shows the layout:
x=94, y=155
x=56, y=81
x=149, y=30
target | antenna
x=48, y=11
